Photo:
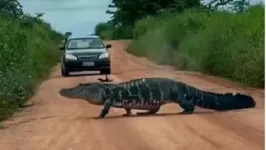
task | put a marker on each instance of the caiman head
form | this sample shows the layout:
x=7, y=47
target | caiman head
x=91, y=92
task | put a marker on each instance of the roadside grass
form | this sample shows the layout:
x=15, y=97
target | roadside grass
x=29, y=48
x=217, y=43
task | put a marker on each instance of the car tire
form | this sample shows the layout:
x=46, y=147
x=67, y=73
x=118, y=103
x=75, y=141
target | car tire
x=64, y=72
x=105, y=71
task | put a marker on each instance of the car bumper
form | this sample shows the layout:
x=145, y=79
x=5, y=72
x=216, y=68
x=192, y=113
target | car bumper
x=78, y=65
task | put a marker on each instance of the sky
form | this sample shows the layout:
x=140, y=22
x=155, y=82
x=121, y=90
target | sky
x=77, y=16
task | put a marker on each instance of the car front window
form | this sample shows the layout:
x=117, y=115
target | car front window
x=84, y=43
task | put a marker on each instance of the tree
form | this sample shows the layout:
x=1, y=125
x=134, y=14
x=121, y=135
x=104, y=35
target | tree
x=238, y=5
x=11, y=8
x=67, y=34
x=102, y=27
x=129, y=11
x=39, y=15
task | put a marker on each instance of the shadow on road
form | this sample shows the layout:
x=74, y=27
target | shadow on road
x=102, y=79
x=77, y=74
x=150, y=115
x=24, y=121
x=84, y=74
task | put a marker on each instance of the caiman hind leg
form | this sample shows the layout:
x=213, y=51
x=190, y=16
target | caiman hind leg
x=149, y=112
x=128, y=112
x=187, y=104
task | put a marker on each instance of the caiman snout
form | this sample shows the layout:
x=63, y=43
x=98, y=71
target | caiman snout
x=69, y=92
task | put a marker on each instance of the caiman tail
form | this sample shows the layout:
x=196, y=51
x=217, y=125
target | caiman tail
x=226, y=101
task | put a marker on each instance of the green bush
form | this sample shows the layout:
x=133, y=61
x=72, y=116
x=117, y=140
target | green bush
x=230, y=45
x=149, y=23
x=28, y=49
x=107, y=31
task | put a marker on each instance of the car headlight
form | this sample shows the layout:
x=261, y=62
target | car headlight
x=104, y=55
x=70, y=57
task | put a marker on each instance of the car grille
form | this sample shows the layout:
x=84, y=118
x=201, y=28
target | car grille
x=87, y=57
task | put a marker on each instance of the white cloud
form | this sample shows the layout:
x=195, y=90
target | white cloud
x=77, y=16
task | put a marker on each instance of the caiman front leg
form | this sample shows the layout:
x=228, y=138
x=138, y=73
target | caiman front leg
x=106, y=108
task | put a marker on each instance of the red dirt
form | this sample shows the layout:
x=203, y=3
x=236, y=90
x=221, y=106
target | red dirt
x=58, y=123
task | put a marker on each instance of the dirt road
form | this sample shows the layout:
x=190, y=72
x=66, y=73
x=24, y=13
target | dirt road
x=58, y=123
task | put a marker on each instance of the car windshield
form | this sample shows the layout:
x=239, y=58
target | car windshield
x=85, y=43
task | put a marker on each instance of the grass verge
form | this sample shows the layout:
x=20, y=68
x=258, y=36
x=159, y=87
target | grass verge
x=29, y=48
x=217, y=43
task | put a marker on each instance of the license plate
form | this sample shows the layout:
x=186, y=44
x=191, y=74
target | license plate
x=88, y=63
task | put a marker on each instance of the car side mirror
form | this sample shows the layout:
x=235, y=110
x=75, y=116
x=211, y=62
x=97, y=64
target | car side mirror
x=108, y=46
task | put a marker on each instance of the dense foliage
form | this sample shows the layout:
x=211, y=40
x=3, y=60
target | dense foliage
x=109, y=31
x=126, y=13
x=217, y=43
x=28, y=49
x=222, y=37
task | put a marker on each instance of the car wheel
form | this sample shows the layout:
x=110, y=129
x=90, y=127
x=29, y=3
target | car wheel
x=64, y=72
x=105, y=71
